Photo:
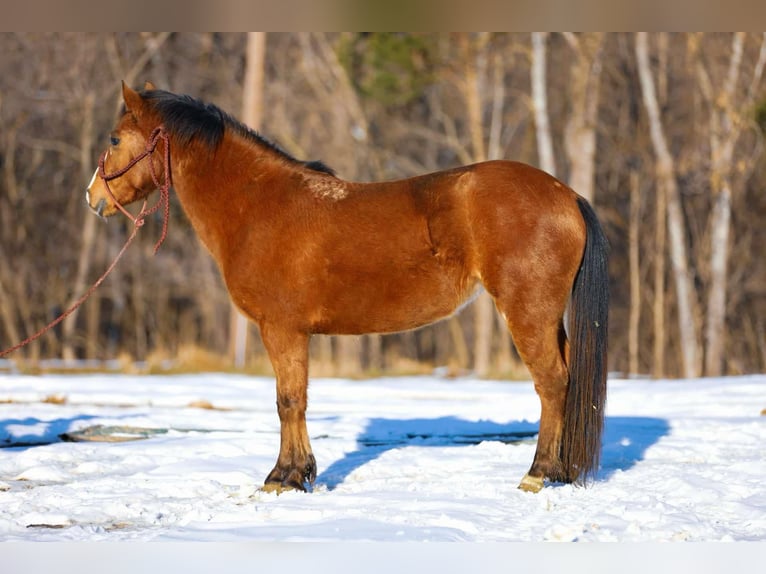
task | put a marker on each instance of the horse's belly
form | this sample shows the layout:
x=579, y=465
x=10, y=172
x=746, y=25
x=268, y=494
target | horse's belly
x=392, y=303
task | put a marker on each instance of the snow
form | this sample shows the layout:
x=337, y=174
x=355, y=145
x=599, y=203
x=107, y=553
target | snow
x=399, y=459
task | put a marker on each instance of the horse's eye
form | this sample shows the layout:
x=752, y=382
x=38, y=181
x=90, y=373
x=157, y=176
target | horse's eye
x=114, y=140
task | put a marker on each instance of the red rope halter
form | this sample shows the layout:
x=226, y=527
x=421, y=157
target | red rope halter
x=158, y=134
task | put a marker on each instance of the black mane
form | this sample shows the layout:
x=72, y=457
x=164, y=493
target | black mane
x=190, y=119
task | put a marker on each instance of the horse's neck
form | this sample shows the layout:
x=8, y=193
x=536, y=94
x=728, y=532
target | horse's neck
x=215, y=190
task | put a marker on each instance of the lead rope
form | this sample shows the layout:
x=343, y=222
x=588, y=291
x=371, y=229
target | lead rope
x=138, y=222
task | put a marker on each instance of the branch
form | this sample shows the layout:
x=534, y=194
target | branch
x=539, y=88
x=573, y=42
x=153, y=44
x=9, y=163
x=498, y=101
x=735, y=62
x=758, y=71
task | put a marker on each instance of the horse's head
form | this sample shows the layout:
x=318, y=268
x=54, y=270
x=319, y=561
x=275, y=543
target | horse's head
x=132, y=166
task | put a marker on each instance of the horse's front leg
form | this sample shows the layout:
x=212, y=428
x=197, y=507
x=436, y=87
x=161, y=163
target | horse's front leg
x=296, y=465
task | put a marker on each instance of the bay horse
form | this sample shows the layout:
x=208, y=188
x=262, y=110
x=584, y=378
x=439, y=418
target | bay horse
x=304, y=252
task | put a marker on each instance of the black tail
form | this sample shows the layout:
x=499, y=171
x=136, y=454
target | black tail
x=588, y=326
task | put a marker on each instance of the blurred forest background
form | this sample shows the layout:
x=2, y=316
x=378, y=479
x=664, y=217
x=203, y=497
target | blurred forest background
x=664, y=133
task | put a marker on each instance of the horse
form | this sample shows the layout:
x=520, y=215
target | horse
x=304, y=252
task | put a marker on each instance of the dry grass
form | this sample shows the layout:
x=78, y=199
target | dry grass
x=49, y=400
x=193, y=359
x=206, y=405
x=55, y=400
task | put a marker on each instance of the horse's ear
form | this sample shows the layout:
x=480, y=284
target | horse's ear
x=149, y=86
x=133, y=101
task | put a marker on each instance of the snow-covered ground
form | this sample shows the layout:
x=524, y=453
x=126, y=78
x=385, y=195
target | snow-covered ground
x=400, y=459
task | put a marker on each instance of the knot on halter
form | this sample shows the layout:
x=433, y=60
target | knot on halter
x=159, y=133
x=155, y=136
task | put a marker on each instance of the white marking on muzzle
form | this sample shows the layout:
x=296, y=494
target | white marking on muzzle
x=92, y=179
x=87, y=189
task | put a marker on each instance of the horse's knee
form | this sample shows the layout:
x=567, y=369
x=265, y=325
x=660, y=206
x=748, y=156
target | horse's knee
x=289, y=406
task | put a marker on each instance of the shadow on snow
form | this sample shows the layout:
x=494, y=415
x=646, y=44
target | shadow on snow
x=30, y=431
x=624, y=443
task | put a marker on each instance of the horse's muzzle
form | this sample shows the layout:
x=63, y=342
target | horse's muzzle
x=100, y=206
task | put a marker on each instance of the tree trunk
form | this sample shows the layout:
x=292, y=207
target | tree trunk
x=546, y=157
x=716, y=304
x=324, y=363
x=7, y=313
x=580, y=132
x=349, y=355
x=252, y=114
x=660, y=235
x=7, y=308
x=634, y=319
x=138, y=297
x=88, y=236
x=459, y=344
x=665, y=171
x=658, y=304
x=374, y=353
x=475, y=61
x=723, y=136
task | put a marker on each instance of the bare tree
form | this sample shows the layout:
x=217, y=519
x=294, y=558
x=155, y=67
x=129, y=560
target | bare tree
x=660, y=232
x=634, y=320
x=483, y=74
x=540, y=103
x=474, y=58
x=580, y=132
x=666, y=179
x=89, y=225
x=726, y=127
x=252, y=114
x=7, y=309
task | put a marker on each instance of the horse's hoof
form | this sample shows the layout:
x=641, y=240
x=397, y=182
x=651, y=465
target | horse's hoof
x=272, y=487
x=279, y=482
x=282, y=479
x=531, y=484
x=279, y=488
x=310, y=472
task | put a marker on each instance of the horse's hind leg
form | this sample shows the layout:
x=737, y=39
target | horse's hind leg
x=296, y=465
x=550, y=376
x=541, y=343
